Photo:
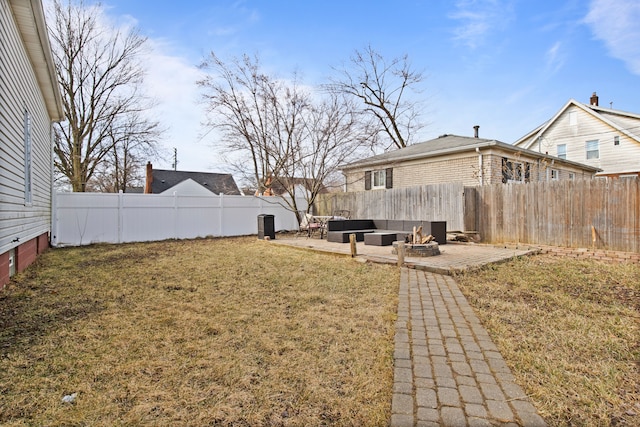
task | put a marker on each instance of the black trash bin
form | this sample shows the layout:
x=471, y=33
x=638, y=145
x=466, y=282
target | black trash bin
x=266, y=227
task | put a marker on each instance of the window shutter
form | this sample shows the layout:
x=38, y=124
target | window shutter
x=367, y=180
x=389, y=178
x=505, y=171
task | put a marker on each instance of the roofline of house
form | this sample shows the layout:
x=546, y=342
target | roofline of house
x=492, y=143
x=593, y=110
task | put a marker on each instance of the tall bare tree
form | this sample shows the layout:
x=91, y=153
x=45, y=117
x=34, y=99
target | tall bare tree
x=383, y=86
x=124, y=166
x=287, y=136
x=100, y=75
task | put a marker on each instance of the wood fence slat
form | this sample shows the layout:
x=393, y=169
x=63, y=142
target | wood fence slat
x=557, y=213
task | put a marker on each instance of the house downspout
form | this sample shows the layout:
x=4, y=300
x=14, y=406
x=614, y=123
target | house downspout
x=480, y=166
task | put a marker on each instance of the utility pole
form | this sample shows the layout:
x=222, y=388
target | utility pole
x=175, y=159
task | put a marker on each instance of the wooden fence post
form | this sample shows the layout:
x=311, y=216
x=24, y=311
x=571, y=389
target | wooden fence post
x=352, y=241
x=400, y=253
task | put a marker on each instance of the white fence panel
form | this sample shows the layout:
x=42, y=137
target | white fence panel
x=86, y=218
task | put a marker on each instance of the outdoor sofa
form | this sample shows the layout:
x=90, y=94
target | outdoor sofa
x=383, y=232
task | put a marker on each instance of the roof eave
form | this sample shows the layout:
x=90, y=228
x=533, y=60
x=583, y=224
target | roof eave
x=30, y=20
x=469, y=148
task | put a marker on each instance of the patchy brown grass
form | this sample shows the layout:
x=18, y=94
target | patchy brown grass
x=230, y=332
x=570, y=331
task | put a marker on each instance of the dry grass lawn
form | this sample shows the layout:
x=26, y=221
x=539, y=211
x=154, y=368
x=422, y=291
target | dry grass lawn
x=229, y=332
x=570, y=331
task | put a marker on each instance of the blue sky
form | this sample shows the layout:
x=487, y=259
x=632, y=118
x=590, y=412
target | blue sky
x=506, y=65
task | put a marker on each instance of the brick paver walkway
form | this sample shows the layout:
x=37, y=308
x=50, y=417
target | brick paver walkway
x=447, y=370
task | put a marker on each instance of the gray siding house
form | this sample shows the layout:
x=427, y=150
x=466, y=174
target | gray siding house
x=29, y=103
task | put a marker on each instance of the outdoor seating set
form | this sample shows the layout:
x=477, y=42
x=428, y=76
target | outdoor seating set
x=382, y=232
x=312, y=224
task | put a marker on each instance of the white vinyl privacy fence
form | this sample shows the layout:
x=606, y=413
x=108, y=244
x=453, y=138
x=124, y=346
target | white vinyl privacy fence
x=87, y=218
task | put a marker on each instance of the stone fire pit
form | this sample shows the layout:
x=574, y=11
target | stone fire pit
x=421, y=250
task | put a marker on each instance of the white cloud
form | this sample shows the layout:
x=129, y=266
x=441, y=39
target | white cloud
x=554, y=57
x=171, y=80
x=478, y=18
x=616, y=23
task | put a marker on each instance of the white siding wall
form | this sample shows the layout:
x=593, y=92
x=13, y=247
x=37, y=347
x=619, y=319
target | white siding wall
x=19, y=90
x=612, y=158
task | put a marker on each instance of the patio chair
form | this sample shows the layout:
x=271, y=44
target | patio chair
x=307, y=225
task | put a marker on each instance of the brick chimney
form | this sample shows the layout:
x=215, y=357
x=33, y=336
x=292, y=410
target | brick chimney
x=149, y=180
x=594, y=99
x=475, y=131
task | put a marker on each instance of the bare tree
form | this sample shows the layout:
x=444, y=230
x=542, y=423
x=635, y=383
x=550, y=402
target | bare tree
x=287, y=136
x=258, y=115
x=100, y=75
x=124, y=166
x=382, y=87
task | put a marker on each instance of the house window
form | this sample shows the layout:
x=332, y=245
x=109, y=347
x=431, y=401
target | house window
x=562, y=151
x=27, y=158
x=572, y=176
x=381, y=178
x=513, y=171
x=592, y=149
x=554, y=174
x=378, y=179
x=616, y=140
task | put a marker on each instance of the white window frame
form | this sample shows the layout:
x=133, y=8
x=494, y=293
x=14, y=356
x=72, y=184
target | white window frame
x=562, y=151
x=28, y=147
x=592, y=149
x=515, y=167
x=378, y=179
x=554, y=174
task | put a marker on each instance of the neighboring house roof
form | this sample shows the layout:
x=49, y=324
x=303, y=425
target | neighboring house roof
x=446, y=145
x=29, y=18
x=617, y=119
x=279, y=188
x=216, y=183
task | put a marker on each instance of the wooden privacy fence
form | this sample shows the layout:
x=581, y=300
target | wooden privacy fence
x=599, y=213
x=441, y=202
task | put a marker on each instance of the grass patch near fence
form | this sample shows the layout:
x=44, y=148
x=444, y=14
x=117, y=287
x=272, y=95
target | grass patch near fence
x=570, y=331
x=206, y=332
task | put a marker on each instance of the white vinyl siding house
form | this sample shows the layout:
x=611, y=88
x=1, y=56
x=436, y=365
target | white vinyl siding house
x=600, y=137
x=29, y=103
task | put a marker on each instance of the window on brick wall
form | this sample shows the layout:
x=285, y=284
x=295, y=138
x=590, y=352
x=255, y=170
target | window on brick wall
x=514, y=171
x=378, y=179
